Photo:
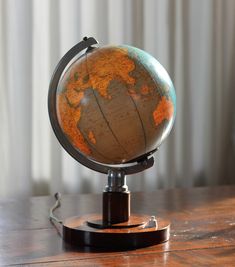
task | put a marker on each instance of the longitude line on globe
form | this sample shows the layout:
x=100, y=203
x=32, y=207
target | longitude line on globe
x=108, y=124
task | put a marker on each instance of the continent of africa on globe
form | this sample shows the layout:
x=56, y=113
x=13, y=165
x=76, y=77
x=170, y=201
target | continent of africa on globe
x=115, y=104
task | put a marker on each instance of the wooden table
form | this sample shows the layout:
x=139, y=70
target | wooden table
x=202, y=230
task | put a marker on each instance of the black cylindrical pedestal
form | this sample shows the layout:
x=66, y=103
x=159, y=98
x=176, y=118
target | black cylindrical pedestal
x=116, y=207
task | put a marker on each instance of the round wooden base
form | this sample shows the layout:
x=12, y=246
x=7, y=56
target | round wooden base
x=89, y=231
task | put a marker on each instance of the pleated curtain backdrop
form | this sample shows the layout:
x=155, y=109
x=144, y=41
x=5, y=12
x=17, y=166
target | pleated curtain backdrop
x=193, y=39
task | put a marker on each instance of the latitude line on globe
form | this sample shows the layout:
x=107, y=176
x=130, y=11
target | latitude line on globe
x=108, y=124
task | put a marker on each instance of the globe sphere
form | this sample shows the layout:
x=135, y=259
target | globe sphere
x=115, y=104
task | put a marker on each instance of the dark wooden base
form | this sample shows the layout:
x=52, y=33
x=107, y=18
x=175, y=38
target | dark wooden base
x=89, y=231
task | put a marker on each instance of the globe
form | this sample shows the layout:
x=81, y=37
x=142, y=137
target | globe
x=115, y=104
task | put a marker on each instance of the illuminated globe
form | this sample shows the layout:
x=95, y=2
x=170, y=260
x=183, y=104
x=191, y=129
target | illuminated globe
x=115, y=104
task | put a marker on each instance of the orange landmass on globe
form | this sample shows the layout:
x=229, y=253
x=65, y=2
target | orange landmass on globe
x=68, y=119
x=95, y=70
x=145, y=90
x=108, y=64
x=92, y=137
x=74, y=98
x=163, y=111
x=132, y=93
x=136, y=94
x=98, y=69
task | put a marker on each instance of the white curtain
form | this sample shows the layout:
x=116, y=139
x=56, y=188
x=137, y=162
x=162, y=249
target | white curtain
x=193, y=39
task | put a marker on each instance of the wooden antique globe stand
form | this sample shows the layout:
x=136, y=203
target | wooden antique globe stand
x=116, y=228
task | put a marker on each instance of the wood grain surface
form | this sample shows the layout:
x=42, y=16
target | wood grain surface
x=202, y=230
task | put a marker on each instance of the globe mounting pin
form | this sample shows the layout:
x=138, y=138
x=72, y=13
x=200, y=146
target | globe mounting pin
x=116, y=181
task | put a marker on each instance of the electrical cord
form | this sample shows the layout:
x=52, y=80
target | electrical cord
x=57, y=204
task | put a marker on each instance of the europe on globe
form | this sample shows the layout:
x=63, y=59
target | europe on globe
x=115, y=104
